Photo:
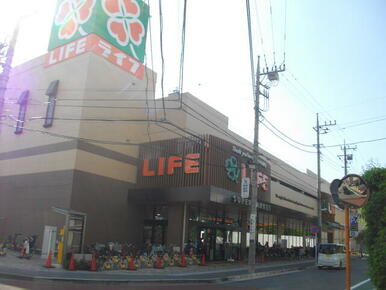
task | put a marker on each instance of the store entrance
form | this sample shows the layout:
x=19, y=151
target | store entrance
x=155, y=232
x=219, y=244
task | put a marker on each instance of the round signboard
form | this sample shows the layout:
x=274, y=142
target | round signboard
x=314, y=229
x=353, y=191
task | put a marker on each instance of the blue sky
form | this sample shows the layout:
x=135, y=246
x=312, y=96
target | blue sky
x=334, y=58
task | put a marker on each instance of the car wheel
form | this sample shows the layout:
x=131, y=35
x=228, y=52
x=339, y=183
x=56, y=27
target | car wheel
x=320, y=267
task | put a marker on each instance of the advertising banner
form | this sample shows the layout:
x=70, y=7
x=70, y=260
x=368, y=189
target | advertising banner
x=122, y=23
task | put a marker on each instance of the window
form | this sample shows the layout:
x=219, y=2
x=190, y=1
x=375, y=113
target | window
x=23, y=100
x=51, y=92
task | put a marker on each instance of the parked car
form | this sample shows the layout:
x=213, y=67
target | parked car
x=332, y=255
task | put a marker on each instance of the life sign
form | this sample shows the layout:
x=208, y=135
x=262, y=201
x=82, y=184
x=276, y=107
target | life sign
x=190, y=163
x=94, y=43
x=122, y=24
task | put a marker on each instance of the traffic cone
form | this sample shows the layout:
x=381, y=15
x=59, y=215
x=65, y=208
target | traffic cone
x=71, y=265
x=49, y=261
x=93, y=266
x=131, y=266
x=202, y=261
x=158, y=263
x=183, y=261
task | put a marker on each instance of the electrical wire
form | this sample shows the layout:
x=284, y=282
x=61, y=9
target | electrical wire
x=261, y=34
x=272, y=33
x=250, y=42
x=285, y=31
x=281, y=132
x=162, y=55
x=281, y=138
x=182, y=55
x=152, y=63
x=358, y=142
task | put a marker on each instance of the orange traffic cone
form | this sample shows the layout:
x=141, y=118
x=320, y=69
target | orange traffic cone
x=158, y=264
x=49, y=261
x=202, y=262
x=93, y=266
x=183, y=261
x=131, y=266
x=71, y=265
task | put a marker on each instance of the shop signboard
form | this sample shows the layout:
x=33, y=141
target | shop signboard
x=189, y=164
x=213, y=161
x=120, y=23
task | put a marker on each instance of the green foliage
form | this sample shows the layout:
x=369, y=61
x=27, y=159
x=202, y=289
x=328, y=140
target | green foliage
x=375, y=215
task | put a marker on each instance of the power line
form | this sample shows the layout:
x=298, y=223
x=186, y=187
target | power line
x=261, y=34
x=152, y=63
x=272, y=33
x=281, y=132
x=182, y=56
x=162, y=55
x=281, y=138
x=285, y=30
x=363, y=123
x=358, y=142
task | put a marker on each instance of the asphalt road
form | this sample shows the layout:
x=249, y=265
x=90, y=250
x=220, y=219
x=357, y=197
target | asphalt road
x=309, y=279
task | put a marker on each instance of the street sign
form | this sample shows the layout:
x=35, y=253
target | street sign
x=354, y=220
x=314, y=229
x=353, y=234
x=245, y=182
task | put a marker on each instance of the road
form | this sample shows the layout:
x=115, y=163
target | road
x=312, y=279
x=308, y=279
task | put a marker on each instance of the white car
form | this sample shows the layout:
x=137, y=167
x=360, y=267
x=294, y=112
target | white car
x=332, y=255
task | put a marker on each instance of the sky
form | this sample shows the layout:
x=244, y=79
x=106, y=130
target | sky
x=334, y=56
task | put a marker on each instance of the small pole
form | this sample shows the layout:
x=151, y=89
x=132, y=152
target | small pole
x=347, y=243
x=316, y=248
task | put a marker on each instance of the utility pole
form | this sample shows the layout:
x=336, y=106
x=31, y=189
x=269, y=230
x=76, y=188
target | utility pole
x=273, y=75
x=320, y=129
x=346, y=157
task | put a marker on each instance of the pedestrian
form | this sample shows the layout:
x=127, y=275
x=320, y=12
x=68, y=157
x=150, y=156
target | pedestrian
x=26, y=247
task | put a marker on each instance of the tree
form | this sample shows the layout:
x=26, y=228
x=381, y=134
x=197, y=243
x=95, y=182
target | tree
x=375, y=215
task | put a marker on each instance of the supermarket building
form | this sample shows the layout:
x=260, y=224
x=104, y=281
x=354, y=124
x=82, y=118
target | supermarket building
x=86, y=135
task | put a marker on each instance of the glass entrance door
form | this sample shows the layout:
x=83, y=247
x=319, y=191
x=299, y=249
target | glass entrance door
x=213, y=241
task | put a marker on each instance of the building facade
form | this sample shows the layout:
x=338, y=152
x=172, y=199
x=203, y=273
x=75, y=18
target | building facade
x=87, y=136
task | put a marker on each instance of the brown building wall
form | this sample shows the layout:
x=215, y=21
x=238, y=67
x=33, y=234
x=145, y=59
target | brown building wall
x=110, y=215
x=26, y=201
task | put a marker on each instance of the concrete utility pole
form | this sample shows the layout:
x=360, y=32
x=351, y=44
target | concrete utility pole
x=273, y=75
x=320, y=129
x=346, y=157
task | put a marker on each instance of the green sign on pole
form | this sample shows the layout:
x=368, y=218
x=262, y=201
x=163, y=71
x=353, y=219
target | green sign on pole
x=123, y=23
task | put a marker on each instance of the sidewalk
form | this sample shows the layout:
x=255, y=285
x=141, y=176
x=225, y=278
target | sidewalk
x=13, y=267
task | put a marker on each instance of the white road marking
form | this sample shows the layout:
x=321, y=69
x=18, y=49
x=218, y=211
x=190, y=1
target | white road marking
x=360, y=284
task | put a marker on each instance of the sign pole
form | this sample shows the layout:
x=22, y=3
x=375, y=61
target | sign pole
x=347, y=244
x=316, y=248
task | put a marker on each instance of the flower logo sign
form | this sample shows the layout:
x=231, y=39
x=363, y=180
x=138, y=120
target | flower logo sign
x=232, y=169
x=122, y=23
x=71, y=15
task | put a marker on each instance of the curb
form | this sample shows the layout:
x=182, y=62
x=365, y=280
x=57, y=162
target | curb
x=119, y=280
